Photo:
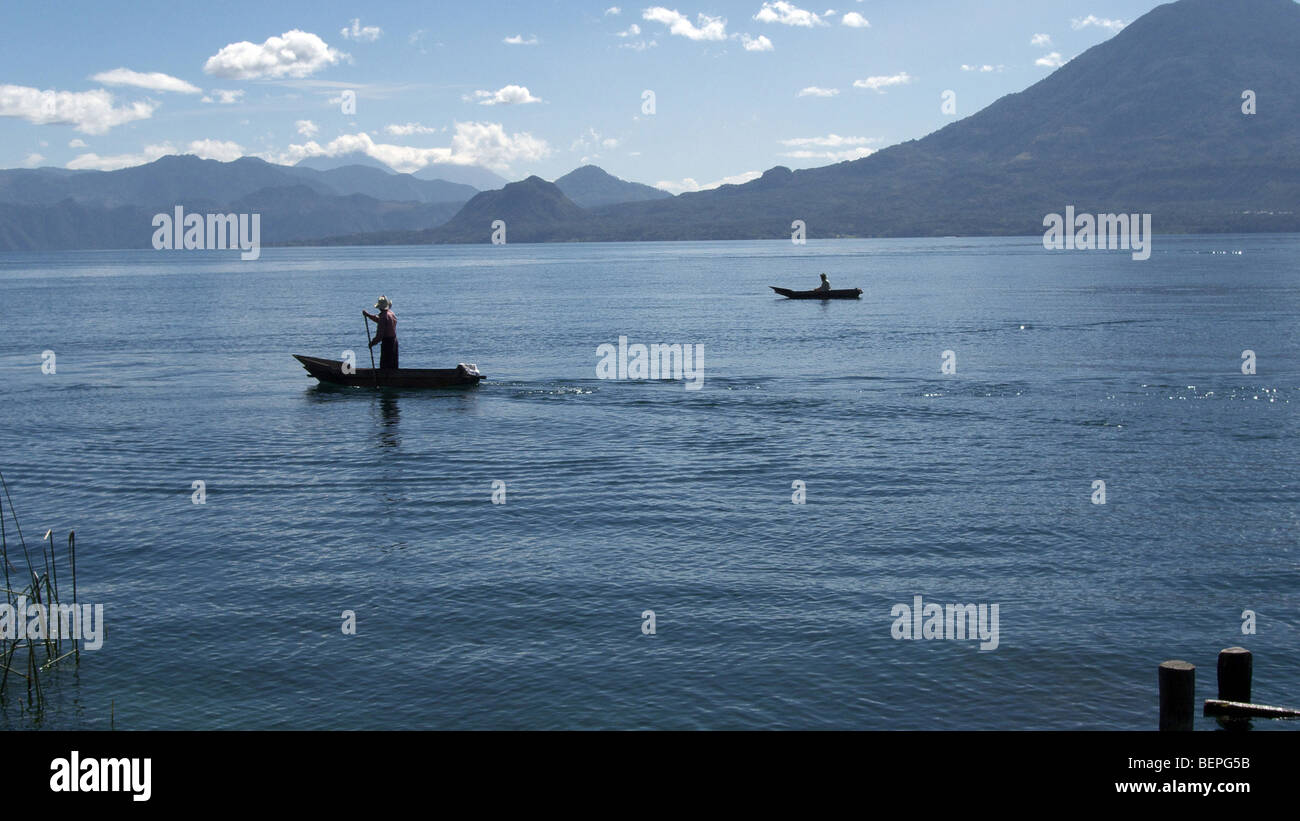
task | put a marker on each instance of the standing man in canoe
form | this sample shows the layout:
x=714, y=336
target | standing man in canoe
x=385, y=334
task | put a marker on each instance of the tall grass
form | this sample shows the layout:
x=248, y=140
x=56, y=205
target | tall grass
x=27, y=658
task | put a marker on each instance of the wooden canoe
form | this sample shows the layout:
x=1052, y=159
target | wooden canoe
x=331, y=371
x=843, y=293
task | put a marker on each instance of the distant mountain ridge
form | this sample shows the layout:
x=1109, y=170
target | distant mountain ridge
x=352, y=158
x=43, y=209
x=51, y=208
x=476, y=176
x=592, y=187
x=176, y=177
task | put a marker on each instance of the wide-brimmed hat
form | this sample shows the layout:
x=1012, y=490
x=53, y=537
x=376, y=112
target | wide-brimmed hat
x=384, y=303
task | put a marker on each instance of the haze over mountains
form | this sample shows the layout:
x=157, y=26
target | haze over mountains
x=480, y=178
x=48, y=208
x=1150, y=121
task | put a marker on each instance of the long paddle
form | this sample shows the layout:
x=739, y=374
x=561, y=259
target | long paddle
x=373, y=371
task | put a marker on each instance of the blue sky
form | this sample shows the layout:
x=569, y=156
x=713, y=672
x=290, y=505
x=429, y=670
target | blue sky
x=522, y=88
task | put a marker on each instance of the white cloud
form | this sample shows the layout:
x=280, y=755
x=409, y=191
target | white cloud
x=357, y=32
x=830, y=147
x=759, y=43
x=709, y=28
x=1099, y=22
x=639, y=45
x=829, y=141
x=154, y=81
x=854, y=20
x=817, y=91
x=787, y=14
x=984, y=69
x=33, y=160
x=735, y=179
x=1041, y=40
x=116, y=161
x=506, y=95
x=1052, y=60
x=677, y=187
x=77, y=144
x=879, y=83
x=307, y=128
x=408, y=129
x=485, y=144
x=293, y=54
x=613, y=10
x=689, y=183
x=224, y=96
x=220, y=150
x=518, y=40
x=591, y=139
x=632, y=31
x=91, y=112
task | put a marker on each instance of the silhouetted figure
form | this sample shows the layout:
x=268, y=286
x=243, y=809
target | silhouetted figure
x=385, y=334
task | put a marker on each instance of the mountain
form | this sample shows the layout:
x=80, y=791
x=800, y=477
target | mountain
x=1149, y=121
x=592, y=187
x=180, y=177
x=71, y=225
x=168, y=179
x=532, y=210
x=480, y=178
x=386, y=185
x=291, y=214
x=343, y=160
x=45, y=209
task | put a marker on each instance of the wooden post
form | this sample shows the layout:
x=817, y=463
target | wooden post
x=1177, y=695
x=1235, y=664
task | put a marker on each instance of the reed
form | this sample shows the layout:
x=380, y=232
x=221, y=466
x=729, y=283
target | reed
x=41, y=655
x=31, y=570
x=72, y=560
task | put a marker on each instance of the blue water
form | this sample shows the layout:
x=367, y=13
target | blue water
x=621, y=497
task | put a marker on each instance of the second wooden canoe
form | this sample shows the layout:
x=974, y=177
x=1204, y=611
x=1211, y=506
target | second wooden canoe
x=843, y=293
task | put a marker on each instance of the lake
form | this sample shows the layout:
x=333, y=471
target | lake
x=978, y=486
